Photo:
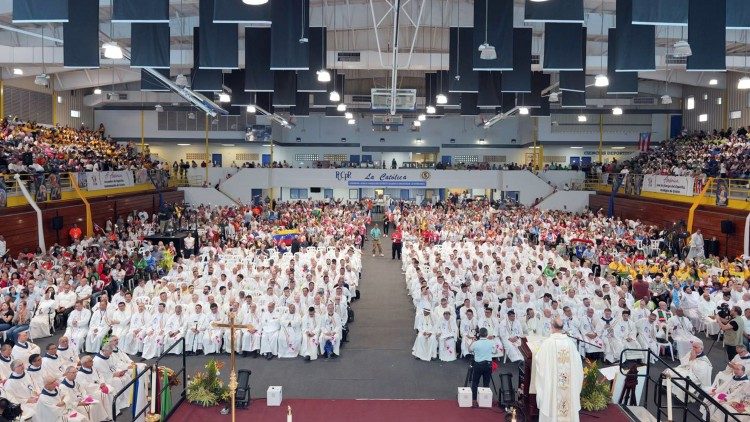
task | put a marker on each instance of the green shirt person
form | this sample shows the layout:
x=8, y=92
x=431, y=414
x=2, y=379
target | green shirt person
x=375, y=233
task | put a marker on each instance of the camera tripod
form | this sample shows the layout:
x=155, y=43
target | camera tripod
x=470, y=377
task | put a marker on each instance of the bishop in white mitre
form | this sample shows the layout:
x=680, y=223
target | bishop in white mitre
x=558, y=359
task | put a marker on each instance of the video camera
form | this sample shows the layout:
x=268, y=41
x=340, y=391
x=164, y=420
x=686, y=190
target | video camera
x=722, y=311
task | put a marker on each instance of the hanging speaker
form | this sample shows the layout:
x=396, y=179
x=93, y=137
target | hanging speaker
x=727, y=226
x=57, y=223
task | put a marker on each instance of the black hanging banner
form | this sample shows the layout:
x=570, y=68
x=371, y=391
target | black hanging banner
x=661, y=12
x=738, y=14
x=569, y=11
x=499, y=33
x=284, y=88
x=489, y=90
x=575, y=80
x=462, y=76
x=235, y=11
x=219, y=47
x=81, y=35
x=636, y=44
x=573, y=99
x=469, y=104
x=619, y=82
x=307, y=80
x=203, y=80
x=708, y=42
x=258, y=76
x=519, y=79
x=291, y=24
x=40, y=11
x=149, y=45
x=140, y=11
x=560, y=39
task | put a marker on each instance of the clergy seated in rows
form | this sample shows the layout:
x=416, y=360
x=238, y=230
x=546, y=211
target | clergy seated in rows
x=733, y=394
x=694, y=365
x=742, y=358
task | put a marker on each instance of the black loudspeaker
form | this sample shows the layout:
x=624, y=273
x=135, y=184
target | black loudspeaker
x=57, y=223
x=711, y=247
x=727, y=226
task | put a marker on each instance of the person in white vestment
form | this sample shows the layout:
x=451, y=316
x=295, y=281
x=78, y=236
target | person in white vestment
x=742, y=358
x=78, y=326
x=251, y=336
x=19, y=387
x=197, y=324
x=78, y=398
x=65, y=352
x=5, y=359
x=133, y=339
x=289, y=334
x=98, y=328
x=34, y=370
x=94, y=384
x=681, y=330
x=24, y=348
x=733, y=394
x=468, y=332
x=52, y=364
x=310, y=331
x=270, y=326
x=153, y=341
x=696, y=246
x=111, y=374
x=694, y=365
x=511, y=332
x=425, y=345
x=213, y=336
x=51, y=406
x=44, y=314
x=624, y=336
x=558, y=375
x=330, y=333
x=447, y=334
x=121, y=320
x=175, y=330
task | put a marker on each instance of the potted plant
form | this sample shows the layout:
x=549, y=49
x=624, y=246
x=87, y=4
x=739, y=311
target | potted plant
x=206, y=388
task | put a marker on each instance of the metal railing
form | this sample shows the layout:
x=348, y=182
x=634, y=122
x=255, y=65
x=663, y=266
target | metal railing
x=149, y=371
x=691, y=392
x=738, y=189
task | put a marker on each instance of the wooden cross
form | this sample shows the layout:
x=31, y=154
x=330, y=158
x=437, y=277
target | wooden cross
x=233, y=370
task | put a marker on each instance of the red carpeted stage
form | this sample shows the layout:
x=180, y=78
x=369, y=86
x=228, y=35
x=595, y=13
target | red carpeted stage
x=311, y=410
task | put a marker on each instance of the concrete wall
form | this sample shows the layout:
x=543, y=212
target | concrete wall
x=207, y=196
x=572, y=201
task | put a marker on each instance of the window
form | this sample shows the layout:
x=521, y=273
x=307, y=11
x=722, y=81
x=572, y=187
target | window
x=195, y=156
x=75, y=113
x=703, y=118
x=737, y=114
x=336, y=157
x=718, y=100
x=244, y=156
x=305, y=157
x=495, y=158
x=465, y=158
x=690, y=103
x=298, y=193
x=328, y=193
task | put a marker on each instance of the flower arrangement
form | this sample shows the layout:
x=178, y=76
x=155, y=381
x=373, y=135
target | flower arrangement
x=206, y=389
x=595, y=394
x=174, y=380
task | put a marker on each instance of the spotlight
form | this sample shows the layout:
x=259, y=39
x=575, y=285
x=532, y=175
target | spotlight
x=422, y=117
x=682, y=49
x=666, y=99
x=251, y=109
x=601, y=80
x=582, y=118
x=112, y=50
x=523, y=111
x=554, y=97
x=441, y=99
x=713, y=82
x=324, y=75
x=97, y=91
x=334, y=97
x=191, y=116
x=431, y=109
x=255, y=2
x=224, y=98
x=341, y=107
x=617, y=111
x=17, y=71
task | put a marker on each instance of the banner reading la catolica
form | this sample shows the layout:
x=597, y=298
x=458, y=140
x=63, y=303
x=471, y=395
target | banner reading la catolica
x=676, y=185
x=97, y=180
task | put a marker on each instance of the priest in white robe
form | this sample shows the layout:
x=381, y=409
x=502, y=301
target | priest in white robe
x=195, y=332
x=98, y=328
x=121, y=320
x=270, y=326
x=624, y=336
x=330, y=333
x=66, y=352
x=310, y=332
x=681, y=330
x=52, y=364
x=19, y=388
x=94, y=384
x=175, y=330
x=695, y=365
x=251, y=336
x=468, y=332
x=78, y=326
x=742, y=358
x=114, y=376
x=5, y=359
x=153, y=341
x=133, y=339
x=511, y=332
x=733, y=394
x=447, y=335
x=23, y=348
x=78, y=399
x=51, y=406
x=290, y=335
x=213, y=337
x=558, y=375
x=425, y=345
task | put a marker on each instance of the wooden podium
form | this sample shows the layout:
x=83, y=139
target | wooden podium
x=526, y=399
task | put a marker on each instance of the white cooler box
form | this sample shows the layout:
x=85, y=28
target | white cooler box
x=484, y=397
x=273, y=396
x=464, y=397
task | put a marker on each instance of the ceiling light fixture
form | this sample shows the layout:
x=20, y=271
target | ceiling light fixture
x=486, y=50
x=554, y=97
x=341, y=107
x=348, y=115
x=251, y=109
x=431, y=109
x=713, y=82
x=601, y=80
x=617, y=111
x=181, y=80
x=523, y=111
x=417, y=123
x=42, y=79
x=743, y=83
x=184, y=145
x=255, y=2
x=158, y=108
x=323, y=75
x=582, y=118
x=682, y=49
x=666, y=99
x=351, y=121
x=441, y=99
x=224, y=98
x=112, y=50
x=17, y=71
x=422, y=117
x=334, y=96
x=97, y=91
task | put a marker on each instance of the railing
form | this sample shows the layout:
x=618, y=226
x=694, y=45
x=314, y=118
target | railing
x=149, y=370
x=688, y=186
x=692, y=393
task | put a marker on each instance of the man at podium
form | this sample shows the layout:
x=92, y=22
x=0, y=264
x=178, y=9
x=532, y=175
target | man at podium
x=558, y=373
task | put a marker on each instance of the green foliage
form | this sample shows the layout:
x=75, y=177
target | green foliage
x=595, y=392
x=206, y=388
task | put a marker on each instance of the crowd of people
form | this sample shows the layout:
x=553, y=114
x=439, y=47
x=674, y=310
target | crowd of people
x=512, y=271
x=289, y=271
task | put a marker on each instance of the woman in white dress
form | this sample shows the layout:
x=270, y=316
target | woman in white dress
x=40, y=326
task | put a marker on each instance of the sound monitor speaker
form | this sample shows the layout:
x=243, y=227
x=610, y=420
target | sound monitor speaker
x=57, y=223
x=727, y=226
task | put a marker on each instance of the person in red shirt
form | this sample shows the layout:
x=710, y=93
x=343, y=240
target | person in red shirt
x=75, y=232
x=396, y=239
